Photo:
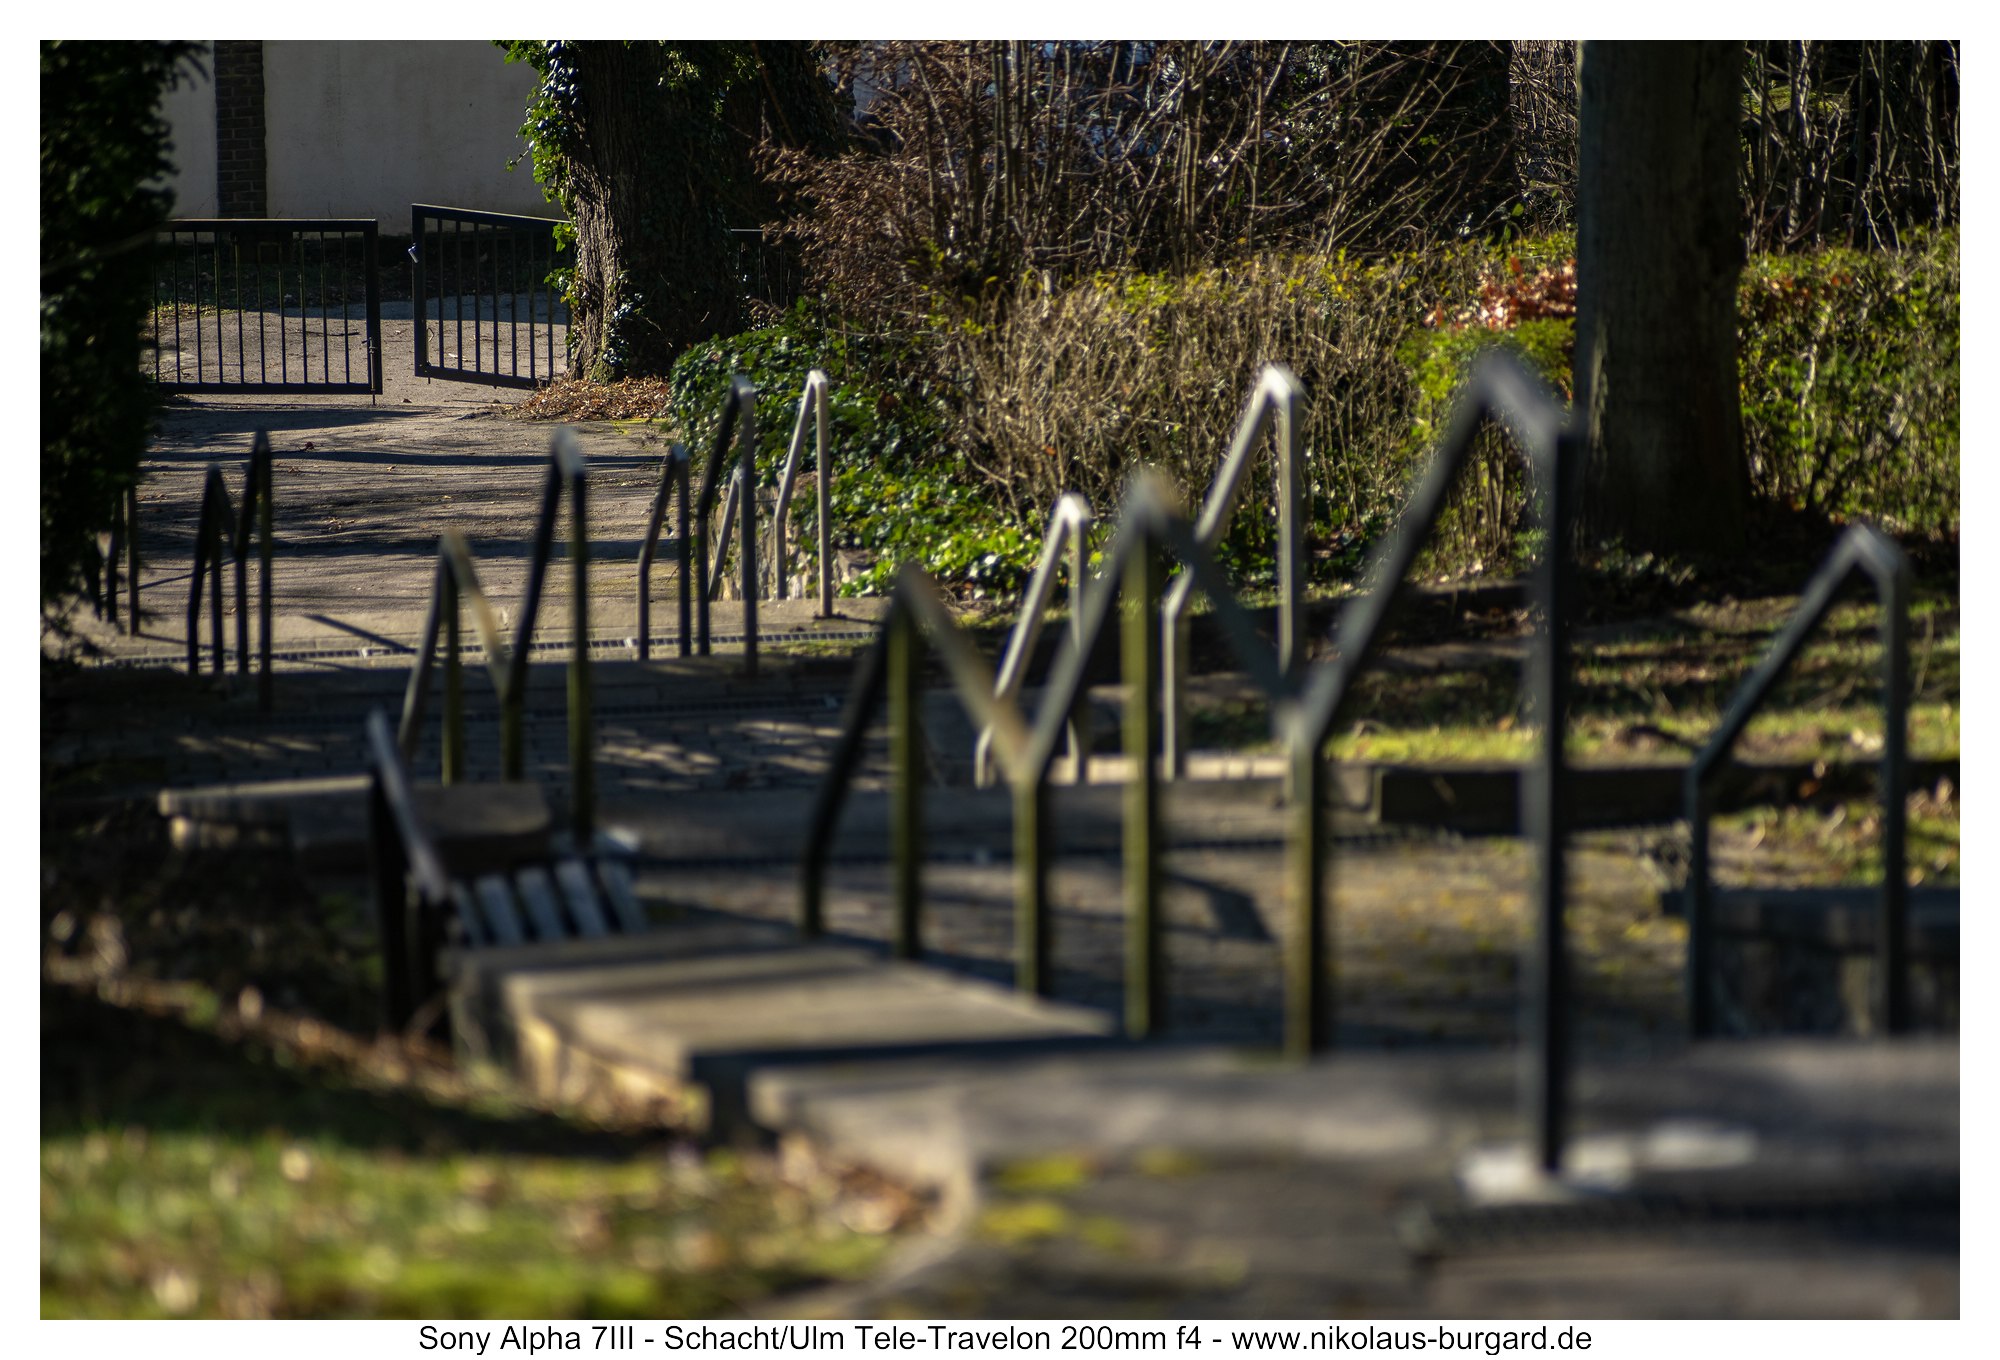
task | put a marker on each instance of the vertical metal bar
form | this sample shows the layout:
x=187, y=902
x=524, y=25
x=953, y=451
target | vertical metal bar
x=194, y=609
x=132, y=559
x=418, y=217
x=387, y=867
x=583, y=794
x=1291, y=528
x=1892, y=967
x=242, y=365
x=1546, y=994
x=458, y=293
x=346, y=335
x=454, y=688
x=906, y=797
x=513, y=239
x=1032, y=945
x=242, y=555
x=262, y=461
x=1700, y=911
x=174, y=285
x=263, y=342
x=824, y=477
x=1309, y=966
x=746, y=443
x=372, y=284
x=194, y=255
x=214, y=525
x=325, y=325
x=1144, y=976
x=682, y=470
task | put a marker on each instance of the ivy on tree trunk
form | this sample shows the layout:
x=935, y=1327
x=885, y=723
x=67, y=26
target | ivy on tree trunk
x=651, y=147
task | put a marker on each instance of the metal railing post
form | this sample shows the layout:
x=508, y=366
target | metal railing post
x=1274, y=404
x=684, y=548
x=1144, y=976
x=1309, y=966
x=583, y=790
x=812, y=401
x=1032, y=945
x=907, y=779
x=1545, y=992
x=1867, y=550
x=454, y=689
x=823, y=475
x=1069, y=523
x=261, y=463
x=746, y=442
x=132, y=560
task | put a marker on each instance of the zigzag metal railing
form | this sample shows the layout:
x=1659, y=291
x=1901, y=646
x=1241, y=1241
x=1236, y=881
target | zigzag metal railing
x=456, y=579
x=124, y=536
x=1862, y=550
x=216, y=517
x=739, y=418
x=1306, y=704
x=918, y=615
x=813, y=401
x=1501, y=388
x=673, y=481
x=1273, y=405
x=1069, y=526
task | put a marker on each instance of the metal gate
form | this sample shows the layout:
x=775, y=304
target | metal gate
x=267, y=305
x=486, y=308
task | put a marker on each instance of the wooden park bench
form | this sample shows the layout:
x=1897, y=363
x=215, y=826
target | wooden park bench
x=469, y=868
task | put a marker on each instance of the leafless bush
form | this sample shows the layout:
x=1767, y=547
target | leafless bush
x=999, y=165
x=1075, y=387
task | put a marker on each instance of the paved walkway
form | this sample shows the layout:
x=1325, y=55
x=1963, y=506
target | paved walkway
x=1184, y=1180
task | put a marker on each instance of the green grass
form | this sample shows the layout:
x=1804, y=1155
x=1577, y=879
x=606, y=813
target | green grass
x=1657, y=697
x=224, y=1134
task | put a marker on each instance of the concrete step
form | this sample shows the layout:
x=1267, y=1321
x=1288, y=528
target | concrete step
x=704, y=1003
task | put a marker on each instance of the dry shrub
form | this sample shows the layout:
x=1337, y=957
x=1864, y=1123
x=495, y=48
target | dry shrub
x=1074, y=388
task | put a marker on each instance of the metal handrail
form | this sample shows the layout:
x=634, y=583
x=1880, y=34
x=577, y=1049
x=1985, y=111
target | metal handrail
x=216, y=515
x=1149, y=523
x=1305, y=702
x=739, y=418
x=1862, y=550
x=1069, y=525
x=1502, y=389
x=812, y=399
x=104, y=577
x=1275, y=401
x=456, y=578
x=673, y=477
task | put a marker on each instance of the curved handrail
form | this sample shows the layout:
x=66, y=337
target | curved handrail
x=812, y=399
x=456, y=579
x=1862, y=550
x=217, y=512
x=673, y=477
x=739, y=418
x=1026, y=751
x=1069, y=525
x=1305, y=702
x=1275, y=400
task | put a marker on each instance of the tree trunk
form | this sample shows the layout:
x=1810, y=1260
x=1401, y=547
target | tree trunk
x=1659, y=251
x=662, y=171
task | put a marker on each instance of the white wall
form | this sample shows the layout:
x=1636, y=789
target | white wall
x=365, y=129
x=190, y=111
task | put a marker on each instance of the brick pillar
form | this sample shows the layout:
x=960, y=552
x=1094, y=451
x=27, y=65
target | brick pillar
x=239, y=129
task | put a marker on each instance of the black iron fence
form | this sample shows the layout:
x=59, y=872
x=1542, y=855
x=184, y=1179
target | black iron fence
x=488, y=308
x=267, y=305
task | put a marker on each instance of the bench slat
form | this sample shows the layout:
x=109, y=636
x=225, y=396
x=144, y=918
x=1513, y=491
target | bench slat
x=617, y=881
x=538, y=895
x=503, y=917
x=469, y=918
x=581, y=895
